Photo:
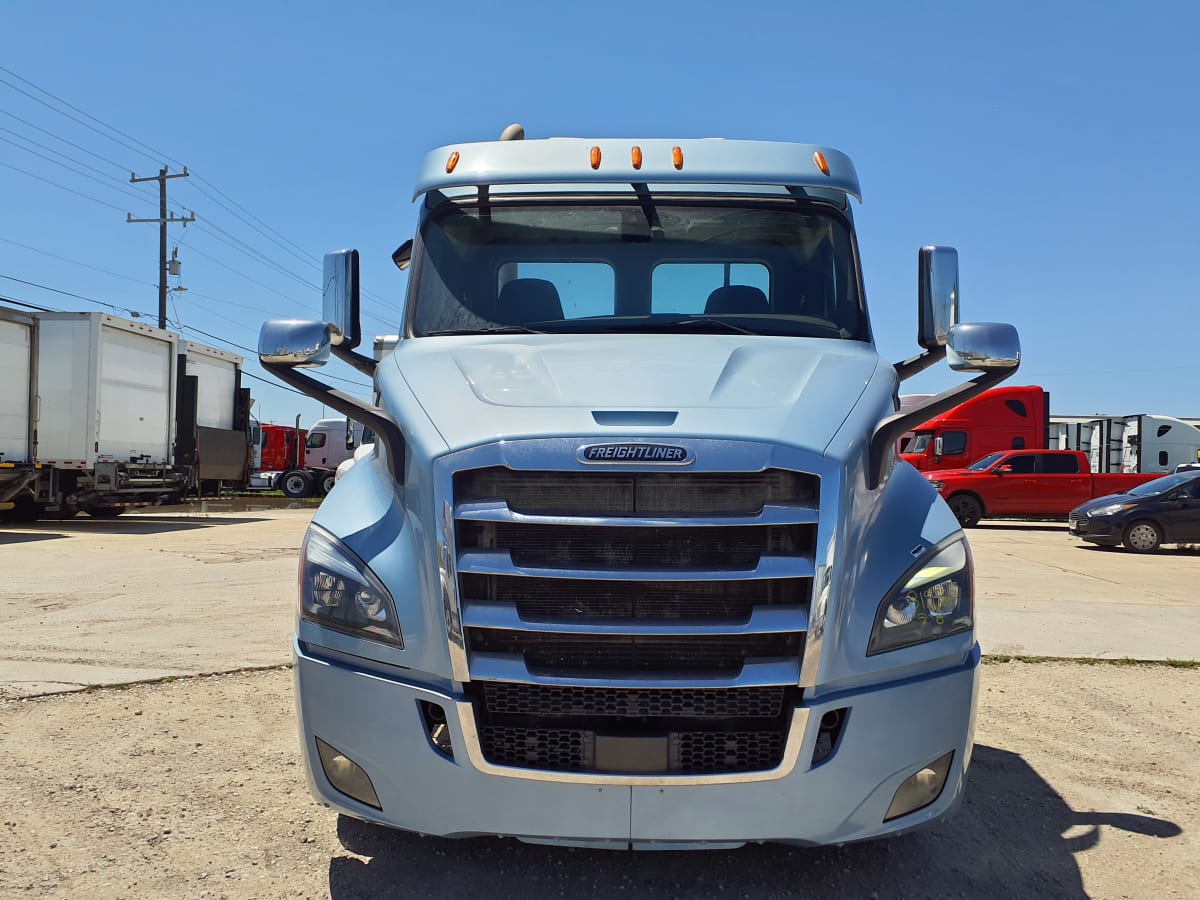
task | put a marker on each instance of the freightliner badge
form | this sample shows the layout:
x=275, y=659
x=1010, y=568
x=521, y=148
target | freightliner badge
x=653, y=454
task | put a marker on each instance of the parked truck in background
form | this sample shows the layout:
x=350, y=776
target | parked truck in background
x=1004, y=418
x=632, y=563
x=326, y=444
x=1026, y=484
x=107, y=413
x=1147, y=443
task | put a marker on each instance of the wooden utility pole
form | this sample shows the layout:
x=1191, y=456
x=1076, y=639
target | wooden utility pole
x=162, y=221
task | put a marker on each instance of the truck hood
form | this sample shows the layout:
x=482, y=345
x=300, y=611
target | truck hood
x=476, y=390
x=940, y=474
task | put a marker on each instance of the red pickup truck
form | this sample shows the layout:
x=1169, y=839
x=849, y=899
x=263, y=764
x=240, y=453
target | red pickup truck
x=1026, y=483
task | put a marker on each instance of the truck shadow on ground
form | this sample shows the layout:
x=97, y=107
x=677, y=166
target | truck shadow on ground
x=138, y=524
x=1013, y=836
x=25, y=537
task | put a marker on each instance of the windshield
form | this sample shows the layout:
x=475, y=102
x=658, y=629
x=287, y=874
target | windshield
x=1162, y=485
x=985, y=463
x=785, y=268
x=920, y=443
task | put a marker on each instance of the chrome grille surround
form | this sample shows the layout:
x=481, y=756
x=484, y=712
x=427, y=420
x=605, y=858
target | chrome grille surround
x=792, y=576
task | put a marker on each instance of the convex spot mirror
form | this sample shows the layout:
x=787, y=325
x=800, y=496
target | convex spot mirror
x=294, y=342
x=983, y=347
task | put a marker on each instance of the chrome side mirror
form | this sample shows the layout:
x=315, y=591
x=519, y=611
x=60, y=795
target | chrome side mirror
x=294, y=342
x=340, y=297
x=983, y=347
x=937, y=295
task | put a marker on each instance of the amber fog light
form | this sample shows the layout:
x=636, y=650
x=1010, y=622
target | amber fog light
x=921, y=788
x=347, y=776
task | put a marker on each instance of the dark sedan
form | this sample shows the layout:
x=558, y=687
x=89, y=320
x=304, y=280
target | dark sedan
x=1163, y=511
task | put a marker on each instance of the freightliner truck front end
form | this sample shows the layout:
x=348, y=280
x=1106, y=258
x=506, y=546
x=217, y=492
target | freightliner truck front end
x=633, y=562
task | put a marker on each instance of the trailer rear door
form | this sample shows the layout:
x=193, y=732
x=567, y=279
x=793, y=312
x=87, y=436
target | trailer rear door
x=15, y=400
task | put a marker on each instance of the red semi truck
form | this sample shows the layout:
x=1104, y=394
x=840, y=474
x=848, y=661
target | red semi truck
x=1004, y=418
x=1026, y=484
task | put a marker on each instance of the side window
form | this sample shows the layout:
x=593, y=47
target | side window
x=1059, y=464
x=316, y=440
x=1021, y=465
x=686, y=287
x=584, y=288
x=1163, y=429
x=954, y=443
x=1018, y=443
x=1017, y=406
x=1162, y=457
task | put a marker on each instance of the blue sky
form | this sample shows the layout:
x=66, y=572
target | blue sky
x=1054, y=144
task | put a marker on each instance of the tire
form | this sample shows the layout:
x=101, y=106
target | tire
x=25, y=509
x=296, y=484
x=1142, y=536
x=327, y=483
x=104, y=512
x=967, y=509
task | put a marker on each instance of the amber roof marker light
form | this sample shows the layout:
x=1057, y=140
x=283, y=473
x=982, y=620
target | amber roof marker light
x=452, y=162
x=677, y=157
x=635, y=157
x=595, y=157
x=822, y=163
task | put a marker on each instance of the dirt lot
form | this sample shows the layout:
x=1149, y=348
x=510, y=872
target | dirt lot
x=1085, y=782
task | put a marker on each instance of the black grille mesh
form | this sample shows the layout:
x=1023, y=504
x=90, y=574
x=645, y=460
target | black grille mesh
x=538, y=700
x=570, y=598
x=560, y=749
x=565, y=653
x=690, y=752
x=701, y=752
x=601, y=547
x=630, y=494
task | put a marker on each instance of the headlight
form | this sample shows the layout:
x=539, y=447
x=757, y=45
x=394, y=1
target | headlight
x=931, y=602
x=339, y=590
x=1111, y=510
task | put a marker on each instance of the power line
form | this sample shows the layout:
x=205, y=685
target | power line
x=76, y=262
x=114, y=187
x=29, y=305
x=121, y=166
x=62, y=186
x=109, y=137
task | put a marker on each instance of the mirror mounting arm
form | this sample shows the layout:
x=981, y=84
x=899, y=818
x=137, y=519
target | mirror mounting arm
x=364, y=364
x=883, y=441
x=386, y=429
x=915, y=364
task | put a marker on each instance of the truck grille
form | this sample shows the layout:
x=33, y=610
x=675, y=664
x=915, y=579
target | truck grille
x=595, y=605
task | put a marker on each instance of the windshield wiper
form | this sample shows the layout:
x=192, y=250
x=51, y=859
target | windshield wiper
x=709, y=323
x=495, y=329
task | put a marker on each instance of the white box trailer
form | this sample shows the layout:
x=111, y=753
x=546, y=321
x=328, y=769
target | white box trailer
x=104, y=407
x=106, y=390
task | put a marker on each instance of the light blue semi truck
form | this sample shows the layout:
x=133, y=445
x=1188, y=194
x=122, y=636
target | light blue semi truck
x=633, y=563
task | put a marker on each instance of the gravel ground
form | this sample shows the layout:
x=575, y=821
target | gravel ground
x=1085, y=782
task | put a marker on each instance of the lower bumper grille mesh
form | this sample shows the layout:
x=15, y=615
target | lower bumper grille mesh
x=692, y=752
x=539, y=700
